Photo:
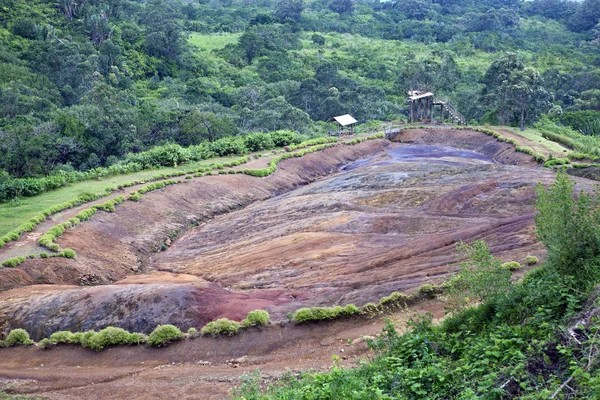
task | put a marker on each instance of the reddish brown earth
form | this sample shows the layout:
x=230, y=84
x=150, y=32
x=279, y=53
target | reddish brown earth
x=310, y=234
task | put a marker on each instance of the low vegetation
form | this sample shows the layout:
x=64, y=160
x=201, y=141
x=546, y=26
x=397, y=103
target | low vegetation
x=256, y=318
x=162, y=335
x=17, y=337
x=512, y=265
x=222, y=326
x=324, y=313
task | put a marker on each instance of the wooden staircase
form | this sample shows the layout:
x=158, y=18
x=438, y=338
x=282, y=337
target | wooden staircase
x=454, y=115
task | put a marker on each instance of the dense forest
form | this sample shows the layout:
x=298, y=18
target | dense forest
x=83, y=83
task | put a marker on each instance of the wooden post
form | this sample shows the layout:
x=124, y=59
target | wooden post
x=442, y=114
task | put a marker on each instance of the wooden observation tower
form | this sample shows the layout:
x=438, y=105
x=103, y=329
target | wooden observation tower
x=422, y=107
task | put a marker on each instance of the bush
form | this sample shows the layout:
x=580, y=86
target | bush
x=285, y=138
x=45, y=344
x=162, y=335
x=13, y=262
x=43, y=255
x=556, y=161
x=324, y=313
x=18, y=336
x=108, y=336
x=222, y=326
x=429, y=290
x=192, y=333
x=256, y=318
x=569, y=228
x=63, y=337
x=370, y=308
x=531, y=260
x=394, y=298
x=68, y=253
x=512, y=265
x=135, y=196
x=259, y=141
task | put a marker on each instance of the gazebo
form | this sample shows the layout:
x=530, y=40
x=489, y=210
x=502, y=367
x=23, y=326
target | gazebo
x=345, y=123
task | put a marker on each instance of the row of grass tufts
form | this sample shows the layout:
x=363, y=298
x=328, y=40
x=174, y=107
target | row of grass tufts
x=161, y=336
x=38, y=219
x=47, y=239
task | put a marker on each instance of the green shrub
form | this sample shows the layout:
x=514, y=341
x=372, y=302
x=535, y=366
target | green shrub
x=109, y=336
x=370, y=308
x=45, y=344
x=350, y=309
x=162, y=335
x=43, y=255
x=394, y=298
x=192, y=333
x=512, y=265
x=13, y=262
x=62, y=337
x=135, y=196
x=568, y=226
x=18, y=336
x=222, y=326
x=531, y=260
x=324, y=313
x=256, y=318
x=556, y=161
x=68, y=253
x=429, y=290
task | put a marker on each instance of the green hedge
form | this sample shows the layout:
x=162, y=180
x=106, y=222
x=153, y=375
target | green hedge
x=13, y=262
x=324, y=313
x=222, y=326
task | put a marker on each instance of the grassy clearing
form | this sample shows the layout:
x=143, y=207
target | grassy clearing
x=13, y=214
x=213, y=42
x=536, y=136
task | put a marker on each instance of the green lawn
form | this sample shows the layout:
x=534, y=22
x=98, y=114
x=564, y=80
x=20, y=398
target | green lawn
x=536, y=136
x=212, y=41
x=12, y=215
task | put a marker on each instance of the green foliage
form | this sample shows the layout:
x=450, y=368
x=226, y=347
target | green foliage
x=162, y=335
x=68, y=253
x=531, y=260
x=135, y=196
x=45, y=344
x=18, y=336
x=481, y=277
x=14, y=262
x=570, y=229
x=512, y=265
x=396, y=298
x=556, y=161
x=222, y=326
x=192, y=333
x=429, y=290
x=64, y=337
x=256, y=318
x=109, y=336
x=324, y=313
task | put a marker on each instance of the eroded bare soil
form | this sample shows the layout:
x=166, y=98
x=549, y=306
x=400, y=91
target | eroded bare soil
x=311, y=234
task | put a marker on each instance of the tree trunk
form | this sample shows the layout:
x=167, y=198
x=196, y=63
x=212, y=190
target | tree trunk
x=522, y=117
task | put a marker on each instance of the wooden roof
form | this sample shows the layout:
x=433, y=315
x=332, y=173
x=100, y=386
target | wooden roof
x=418, y=95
